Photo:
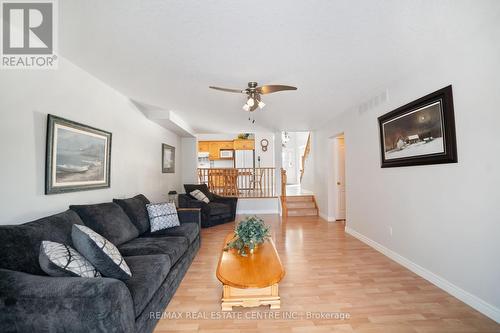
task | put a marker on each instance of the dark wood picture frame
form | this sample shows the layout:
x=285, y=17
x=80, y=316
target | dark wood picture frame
x=164, y=168
x=448, y=155
x=94, y=167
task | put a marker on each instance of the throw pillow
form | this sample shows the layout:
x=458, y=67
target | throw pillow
x=61, y=260
x=199, y=195
x=135, y=208
x=162, y=216
x=100, y=252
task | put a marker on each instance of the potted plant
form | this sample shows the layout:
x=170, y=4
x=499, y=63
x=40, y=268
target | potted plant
x=243, y=136
x=248, y=234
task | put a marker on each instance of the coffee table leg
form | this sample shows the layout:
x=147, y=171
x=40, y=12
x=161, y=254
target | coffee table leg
x=226, y=307
x=276, y=304
x=250, y=297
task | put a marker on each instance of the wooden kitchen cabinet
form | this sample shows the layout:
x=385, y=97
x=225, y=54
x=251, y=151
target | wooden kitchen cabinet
x=203, y=146
x=226, y=145
x=213, y=151
x=241, y=144
x=214, y=147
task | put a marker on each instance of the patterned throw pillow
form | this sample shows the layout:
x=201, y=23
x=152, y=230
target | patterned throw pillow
x=100, y=252
x=62, y=260
x=199, y=195
x=162, y=216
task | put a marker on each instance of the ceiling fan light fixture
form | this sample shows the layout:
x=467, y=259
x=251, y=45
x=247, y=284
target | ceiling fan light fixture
x=253, y=93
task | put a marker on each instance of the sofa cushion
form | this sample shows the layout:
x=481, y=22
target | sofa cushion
x=143, y=198
x=135, y=208
x=62, y=260
x=219, y=209
x=174, y=247
x=100, y=252
x=20, y=244
x=162, y=216
x=148, y=274
x=187, y=230
x=108, y=220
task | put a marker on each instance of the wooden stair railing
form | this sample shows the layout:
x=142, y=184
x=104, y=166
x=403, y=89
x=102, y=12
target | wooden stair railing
x=240, y=182
x=283, y=192
x=283, y=182
x=307, y=150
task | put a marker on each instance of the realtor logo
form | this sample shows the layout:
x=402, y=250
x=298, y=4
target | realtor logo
x=28, y=34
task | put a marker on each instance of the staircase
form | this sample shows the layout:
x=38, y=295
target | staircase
x=300, y=205
x=307, y=151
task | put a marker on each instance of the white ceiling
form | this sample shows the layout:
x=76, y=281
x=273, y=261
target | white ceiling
x=338, y=53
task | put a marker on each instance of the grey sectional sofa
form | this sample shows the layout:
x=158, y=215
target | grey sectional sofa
x=31, y=301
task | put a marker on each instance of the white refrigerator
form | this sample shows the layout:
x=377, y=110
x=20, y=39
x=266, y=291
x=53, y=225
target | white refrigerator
x=244, y=159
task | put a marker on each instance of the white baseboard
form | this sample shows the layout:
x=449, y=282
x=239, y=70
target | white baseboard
x=326, y=217
x=466, y=297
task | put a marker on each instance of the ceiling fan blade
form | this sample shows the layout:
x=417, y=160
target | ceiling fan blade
x=272, y=88
x=228, y=90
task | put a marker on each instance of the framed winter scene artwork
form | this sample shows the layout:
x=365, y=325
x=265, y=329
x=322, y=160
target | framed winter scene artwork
x=421, y=132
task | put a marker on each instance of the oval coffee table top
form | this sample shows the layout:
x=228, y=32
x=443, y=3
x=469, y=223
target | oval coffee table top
x=261, y=269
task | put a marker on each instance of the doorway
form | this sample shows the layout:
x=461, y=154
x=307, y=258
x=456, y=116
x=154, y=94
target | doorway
x=295, y=149
x=340, y=179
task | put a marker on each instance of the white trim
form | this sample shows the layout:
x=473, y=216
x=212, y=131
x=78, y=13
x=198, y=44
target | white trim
x=326, y=217
x=466, y=297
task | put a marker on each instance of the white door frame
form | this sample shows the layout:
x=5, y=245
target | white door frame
x=332, y=177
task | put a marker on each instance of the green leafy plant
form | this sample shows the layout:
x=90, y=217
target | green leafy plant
x=248, y=234
x=243, y=136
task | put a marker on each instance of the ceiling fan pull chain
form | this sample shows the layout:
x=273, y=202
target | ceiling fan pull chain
x=250, y=118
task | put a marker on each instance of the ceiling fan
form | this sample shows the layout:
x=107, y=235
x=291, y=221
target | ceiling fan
x=253, y=93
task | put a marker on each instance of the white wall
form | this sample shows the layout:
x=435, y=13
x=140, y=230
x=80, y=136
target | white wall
x=217, y=136
x=26, y=97
x=258, y=206
x=266, y=157
x=445, y=218
x=189, y=160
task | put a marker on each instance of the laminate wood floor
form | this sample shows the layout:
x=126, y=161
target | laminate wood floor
x=327, y=272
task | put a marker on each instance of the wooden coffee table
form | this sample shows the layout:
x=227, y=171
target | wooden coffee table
x=252, y=280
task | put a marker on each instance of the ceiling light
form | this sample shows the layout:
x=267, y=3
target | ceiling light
x=261, y=104
x=246, y=107
x=250, y=102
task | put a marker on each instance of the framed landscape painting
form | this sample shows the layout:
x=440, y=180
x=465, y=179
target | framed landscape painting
x=78, y=157
x=168, y=158
x=421, y=132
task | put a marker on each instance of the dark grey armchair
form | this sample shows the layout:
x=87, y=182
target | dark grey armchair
x=219, y=210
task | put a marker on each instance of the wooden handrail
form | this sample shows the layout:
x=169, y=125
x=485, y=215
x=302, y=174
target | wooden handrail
x=283, y=182
x=307, y=150
x=283, y=192
x=239, y=182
